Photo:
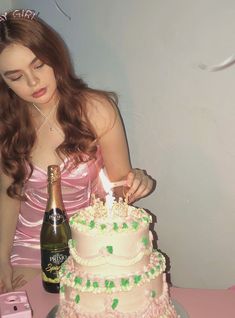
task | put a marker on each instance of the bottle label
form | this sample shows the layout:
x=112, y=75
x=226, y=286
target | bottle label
x=51, y=262
x=55, y=216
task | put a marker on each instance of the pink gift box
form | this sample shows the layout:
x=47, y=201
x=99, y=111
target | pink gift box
x=15, y=305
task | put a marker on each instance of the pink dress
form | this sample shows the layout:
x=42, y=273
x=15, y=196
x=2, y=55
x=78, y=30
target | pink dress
x=77, y=187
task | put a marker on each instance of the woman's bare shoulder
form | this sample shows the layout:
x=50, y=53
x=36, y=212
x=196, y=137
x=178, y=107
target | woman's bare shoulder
x=101, y=111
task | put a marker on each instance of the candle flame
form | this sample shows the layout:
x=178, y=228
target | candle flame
x=107, y=185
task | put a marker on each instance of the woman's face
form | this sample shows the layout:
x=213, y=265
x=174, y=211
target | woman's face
x=27, y=76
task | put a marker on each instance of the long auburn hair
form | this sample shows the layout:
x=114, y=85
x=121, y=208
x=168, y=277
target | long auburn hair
x=17, y=133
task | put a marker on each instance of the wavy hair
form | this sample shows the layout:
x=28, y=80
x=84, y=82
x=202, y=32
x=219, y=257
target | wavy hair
x=17, y=133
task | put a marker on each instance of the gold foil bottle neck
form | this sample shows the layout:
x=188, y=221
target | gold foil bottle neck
x=53, y=172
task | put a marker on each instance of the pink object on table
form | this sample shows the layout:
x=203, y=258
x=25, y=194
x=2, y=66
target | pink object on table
x=15, y=305
x=198, y=303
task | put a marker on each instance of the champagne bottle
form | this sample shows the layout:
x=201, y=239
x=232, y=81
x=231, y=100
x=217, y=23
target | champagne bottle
x=55, y=233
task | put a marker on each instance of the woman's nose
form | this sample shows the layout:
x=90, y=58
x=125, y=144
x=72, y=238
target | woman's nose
x=32, y=80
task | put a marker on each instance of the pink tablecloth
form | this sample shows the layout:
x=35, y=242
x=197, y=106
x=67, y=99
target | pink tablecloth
x=199, y=303
x=206, y=303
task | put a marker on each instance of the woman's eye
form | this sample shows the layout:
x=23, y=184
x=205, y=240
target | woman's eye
x=16, y=79
x=39, y=65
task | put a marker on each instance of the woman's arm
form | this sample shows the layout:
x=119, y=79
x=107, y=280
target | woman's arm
x=108, y=126
x=9, y=211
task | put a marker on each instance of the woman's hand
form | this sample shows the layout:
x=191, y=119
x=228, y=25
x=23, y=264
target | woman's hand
x=139, y=183
x=5, y=277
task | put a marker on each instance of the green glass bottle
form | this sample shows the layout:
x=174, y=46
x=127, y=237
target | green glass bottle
x=55, y=233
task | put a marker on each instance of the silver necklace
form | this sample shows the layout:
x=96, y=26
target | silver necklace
x=46, y=120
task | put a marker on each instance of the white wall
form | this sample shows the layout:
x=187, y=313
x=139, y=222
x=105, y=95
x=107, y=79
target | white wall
x=5, y=5
x=179, y=119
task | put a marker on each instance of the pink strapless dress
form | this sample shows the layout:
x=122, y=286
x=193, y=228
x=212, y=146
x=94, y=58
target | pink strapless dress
x=77, y=187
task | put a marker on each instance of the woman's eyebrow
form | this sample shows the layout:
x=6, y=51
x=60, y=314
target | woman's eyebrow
x=15, y=71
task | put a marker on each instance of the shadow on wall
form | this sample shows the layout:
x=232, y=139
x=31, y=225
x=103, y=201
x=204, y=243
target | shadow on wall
x=155, y=246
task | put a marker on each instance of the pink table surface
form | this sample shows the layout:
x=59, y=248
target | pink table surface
x=198, y=303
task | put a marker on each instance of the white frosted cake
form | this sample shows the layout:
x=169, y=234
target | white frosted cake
x=112, y=270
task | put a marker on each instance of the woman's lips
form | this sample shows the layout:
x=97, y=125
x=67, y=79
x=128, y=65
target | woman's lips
x=39, y=93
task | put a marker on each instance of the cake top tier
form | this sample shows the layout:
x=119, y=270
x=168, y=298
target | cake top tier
x=121, y=218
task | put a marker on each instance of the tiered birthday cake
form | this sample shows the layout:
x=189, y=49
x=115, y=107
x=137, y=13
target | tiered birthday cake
x=113, y=270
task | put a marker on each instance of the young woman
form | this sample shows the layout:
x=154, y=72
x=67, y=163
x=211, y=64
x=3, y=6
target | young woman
x=50, y=116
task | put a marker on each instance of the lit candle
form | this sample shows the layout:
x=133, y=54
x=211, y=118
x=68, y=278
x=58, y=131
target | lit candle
x=109, y=198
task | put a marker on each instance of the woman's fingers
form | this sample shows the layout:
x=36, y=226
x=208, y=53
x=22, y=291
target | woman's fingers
x=5, y=285
x=140, y=184
x=2, y=287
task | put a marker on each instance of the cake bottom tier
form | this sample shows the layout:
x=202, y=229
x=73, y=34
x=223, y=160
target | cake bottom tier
x=115, y=305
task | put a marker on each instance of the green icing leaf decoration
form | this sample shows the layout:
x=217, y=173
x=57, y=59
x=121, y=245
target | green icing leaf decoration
x=92, y=224
x=137, y=279
x=73, y=243
x=68, y=275
x=95, y=284
x=124, y=226
x=109, y=248
x=112, y=285
x=135, y=225
x=115, y=226
x=125, y=282
x=77, y=299
x=145, y=241
x=103, y=226
x=62, y=268
x=152, y=271
x=62, y=289
x=88, y=283
x=145, y=219
x=83, y=222
x=153, y=293
x=109, y=284
x=115, y=303
x=78, y=280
